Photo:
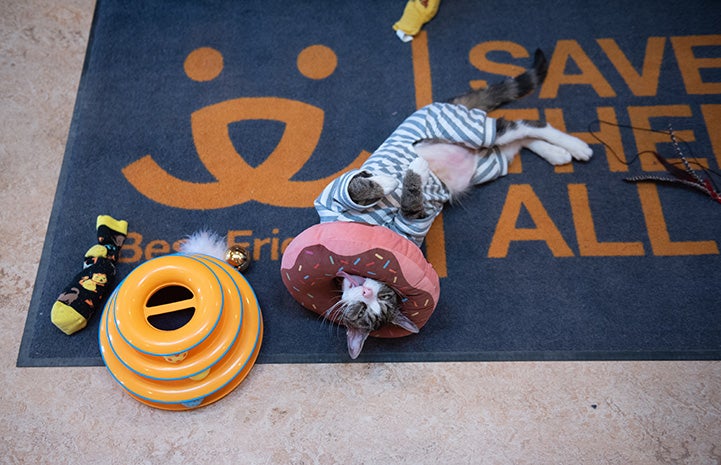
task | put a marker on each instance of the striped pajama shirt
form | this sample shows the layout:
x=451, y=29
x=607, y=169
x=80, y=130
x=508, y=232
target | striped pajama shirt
x=438, y=121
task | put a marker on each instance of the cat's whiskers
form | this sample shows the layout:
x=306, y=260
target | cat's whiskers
x=334, y=314
x=325, y=321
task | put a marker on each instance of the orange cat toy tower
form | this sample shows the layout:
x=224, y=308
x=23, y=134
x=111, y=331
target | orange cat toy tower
x=197, y=363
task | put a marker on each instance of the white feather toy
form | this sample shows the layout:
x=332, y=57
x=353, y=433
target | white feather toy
x=205, y=242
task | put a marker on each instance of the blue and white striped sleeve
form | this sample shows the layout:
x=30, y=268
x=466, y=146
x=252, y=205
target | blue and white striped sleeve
x=456, y=123
x=335, y=199
x=415, y=230
x=490, y=167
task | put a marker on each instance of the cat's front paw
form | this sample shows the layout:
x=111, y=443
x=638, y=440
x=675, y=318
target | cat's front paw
x=420, y=166
x=366, y=189
x=387, y=183
x=412, y=195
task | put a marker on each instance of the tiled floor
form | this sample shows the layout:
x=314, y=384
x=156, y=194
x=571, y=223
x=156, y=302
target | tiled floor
x=436, y=413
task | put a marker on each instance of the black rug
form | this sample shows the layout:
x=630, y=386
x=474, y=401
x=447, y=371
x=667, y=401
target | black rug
x=231, y=115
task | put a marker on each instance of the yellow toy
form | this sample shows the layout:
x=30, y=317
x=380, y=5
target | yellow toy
x=199, y=361
x=415, y=15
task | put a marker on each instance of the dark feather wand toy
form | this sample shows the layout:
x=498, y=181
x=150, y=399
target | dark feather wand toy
x=688, y=176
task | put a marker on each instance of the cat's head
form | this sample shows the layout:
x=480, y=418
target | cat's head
x=365, y=306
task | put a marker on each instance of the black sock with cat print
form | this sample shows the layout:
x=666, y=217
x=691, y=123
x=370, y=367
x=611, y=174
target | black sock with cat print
x=88, y=289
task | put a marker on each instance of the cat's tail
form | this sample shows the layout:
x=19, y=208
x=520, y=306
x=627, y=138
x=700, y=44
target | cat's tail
x=511, y=89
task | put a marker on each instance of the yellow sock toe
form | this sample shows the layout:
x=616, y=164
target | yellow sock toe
x=66, y=318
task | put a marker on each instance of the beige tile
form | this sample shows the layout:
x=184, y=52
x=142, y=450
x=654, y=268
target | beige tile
x=450, y=413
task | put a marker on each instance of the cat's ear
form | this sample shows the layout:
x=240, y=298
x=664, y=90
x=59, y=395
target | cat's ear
x=356, y=339
x=401, y=320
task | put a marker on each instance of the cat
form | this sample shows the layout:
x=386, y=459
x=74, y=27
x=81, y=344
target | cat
x=435, y=156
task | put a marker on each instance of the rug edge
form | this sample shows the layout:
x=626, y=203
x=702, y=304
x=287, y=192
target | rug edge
x=489, y=357
x=24, y=358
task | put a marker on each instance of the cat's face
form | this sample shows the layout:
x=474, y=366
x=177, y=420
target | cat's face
x=365, y=306
x=367, y=302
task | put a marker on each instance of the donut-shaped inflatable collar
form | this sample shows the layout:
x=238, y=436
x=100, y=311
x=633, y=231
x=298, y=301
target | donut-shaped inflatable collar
x=312, y=261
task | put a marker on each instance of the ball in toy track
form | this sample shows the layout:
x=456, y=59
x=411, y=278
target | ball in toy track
x=176, y=358
x=238, y=258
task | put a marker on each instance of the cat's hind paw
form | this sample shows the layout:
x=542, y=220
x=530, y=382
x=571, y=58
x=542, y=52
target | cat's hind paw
x=581, y=151
x=553, y=154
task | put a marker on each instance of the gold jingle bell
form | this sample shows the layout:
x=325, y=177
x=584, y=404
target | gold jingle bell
x=238, y=258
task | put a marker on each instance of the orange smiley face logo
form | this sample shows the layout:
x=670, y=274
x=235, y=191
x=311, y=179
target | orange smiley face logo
x=236, y=181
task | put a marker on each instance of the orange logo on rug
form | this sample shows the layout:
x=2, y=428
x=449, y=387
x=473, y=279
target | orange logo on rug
x=236, y=181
